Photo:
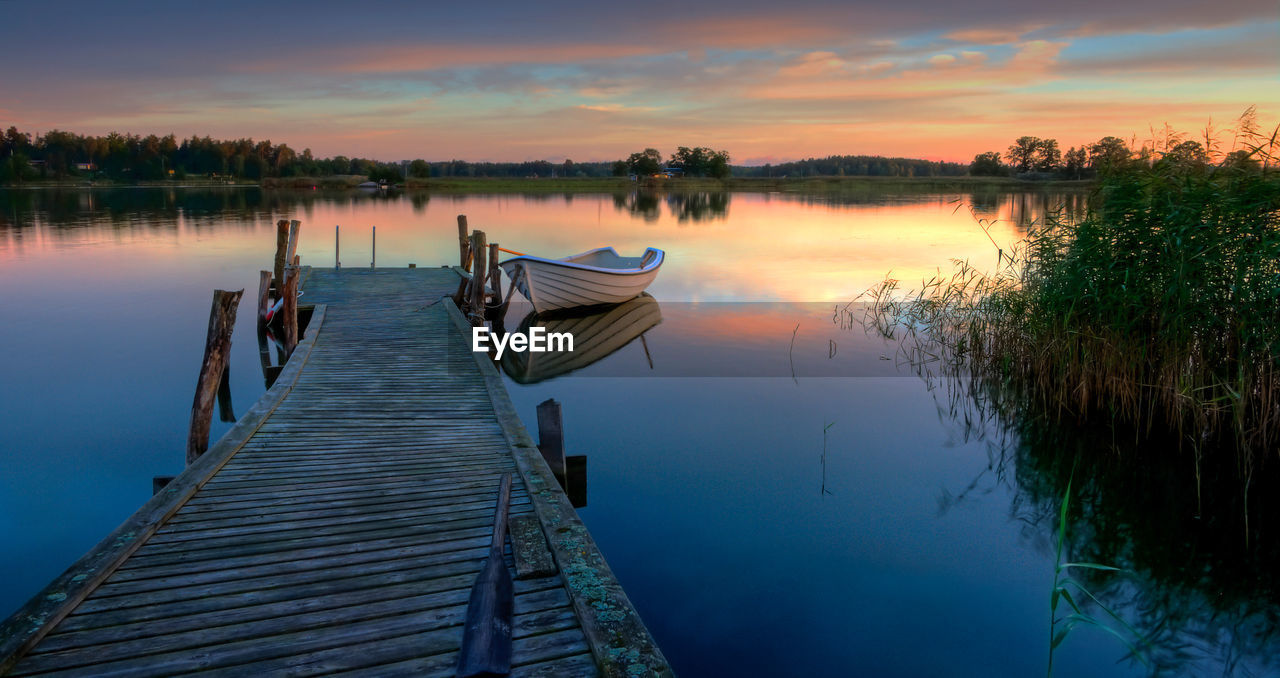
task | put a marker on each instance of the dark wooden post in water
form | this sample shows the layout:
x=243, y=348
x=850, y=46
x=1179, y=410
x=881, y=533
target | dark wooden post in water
x=373, y=251
x=337, y=261
x=551, y=436
x=294, y=227
x=477, y=277
x=464, y=253
x=282, y=246
x=290, y=308
x=225, y=411
x=159, y=483
x=486, y=633
x=575, y=479
x=217, y=351
x=459, y=297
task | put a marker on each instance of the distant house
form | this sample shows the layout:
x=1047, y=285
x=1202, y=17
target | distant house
x=86, y=167
x=671, y=172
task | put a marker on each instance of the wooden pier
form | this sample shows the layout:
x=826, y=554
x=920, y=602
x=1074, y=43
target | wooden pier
x=338, y=527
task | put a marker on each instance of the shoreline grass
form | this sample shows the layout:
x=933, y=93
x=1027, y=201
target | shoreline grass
x=1159, y=309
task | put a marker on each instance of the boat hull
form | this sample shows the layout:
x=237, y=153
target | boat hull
x=552, y=285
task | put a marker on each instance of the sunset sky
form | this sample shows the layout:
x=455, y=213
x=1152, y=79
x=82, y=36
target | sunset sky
x=767, y=81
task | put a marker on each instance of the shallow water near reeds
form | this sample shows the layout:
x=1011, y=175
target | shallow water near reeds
x=776, y=490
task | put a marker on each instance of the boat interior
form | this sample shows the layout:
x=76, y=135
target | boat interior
x=606, y=257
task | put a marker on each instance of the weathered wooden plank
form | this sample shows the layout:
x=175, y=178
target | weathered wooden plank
x=292, y=638
x=243, y=624
x=527, y=651
x=261, y=517
x=329, y=501
x=428, y=554
x=197, y=560
x=529, y=548
x=277, y=528
x=180, y=600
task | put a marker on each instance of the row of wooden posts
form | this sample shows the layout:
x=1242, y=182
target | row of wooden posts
x=479, y=294
x=222, y=320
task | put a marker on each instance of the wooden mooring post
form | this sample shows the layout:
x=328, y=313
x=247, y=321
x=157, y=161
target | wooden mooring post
x=477, y=277
x=551, y=436
x=373, y=250
x=463, y=246
x=282, y=246
x=159, y=483
x=337, y=261
x=295, y=227
x=290, y=308
x=464, y=261
x=495, y=275
x=217, y=351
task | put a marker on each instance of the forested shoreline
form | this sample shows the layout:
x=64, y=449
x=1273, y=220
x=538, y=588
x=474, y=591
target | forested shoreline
x=59, y=156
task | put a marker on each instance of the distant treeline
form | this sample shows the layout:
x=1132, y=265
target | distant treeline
x=856, y=166
x=1036, y=158
x=129, y=157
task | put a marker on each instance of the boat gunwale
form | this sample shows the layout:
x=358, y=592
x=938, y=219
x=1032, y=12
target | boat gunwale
x=561, y=263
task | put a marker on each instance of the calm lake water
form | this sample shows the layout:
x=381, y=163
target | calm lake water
x=779, y=493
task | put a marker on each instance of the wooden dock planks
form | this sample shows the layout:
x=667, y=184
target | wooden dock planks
x=343, y=532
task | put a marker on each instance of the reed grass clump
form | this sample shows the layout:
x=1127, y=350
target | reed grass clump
x=1160, y=307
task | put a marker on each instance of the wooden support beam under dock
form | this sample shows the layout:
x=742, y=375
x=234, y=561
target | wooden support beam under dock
x=339, y=525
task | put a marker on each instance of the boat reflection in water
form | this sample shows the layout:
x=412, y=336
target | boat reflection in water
x=597, y=333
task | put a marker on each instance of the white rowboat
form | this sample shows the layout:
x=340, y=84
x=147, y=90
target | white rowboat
x=594, y=277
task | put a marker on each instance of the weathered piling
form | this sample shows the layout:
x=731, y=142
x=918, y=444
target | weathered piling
x=290, y=308
x=217, y=351
x=464, y=250
x=551, y=436
x=477, y=277
x=282, y=246
x=373, y=249
x=295, y=227
x=159, y=483
x=464, y=261
x=575, y=479
x=337, y=260
x=264, y=298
